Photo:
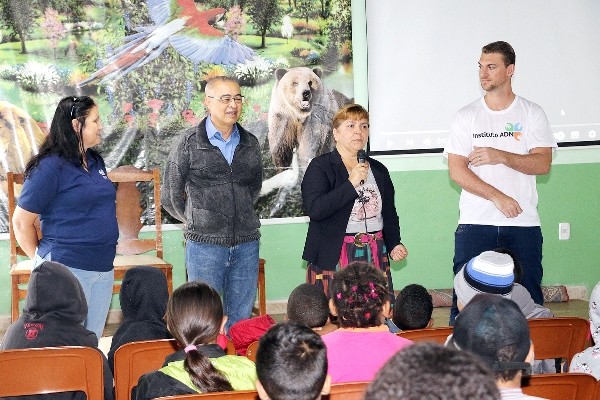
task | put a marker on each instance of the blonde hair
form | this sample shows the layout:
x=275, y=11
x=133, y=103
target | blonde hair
x=355, y=111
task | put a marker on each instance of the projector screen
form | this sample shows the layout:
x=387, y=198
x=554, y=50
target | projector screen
x=423, y=55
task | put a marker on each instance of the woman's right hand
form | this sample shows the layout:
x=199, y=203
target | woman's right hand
x=359, y=174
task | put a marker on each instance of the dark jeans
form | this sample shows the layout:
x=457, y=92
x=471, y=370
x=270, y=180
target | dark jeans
x=524, y=241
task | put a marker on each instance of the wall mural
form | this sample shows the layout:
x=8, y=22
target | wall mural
x=146, y=62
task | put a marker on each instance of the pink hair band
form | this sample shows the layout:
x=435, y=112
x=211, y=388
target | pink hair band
x=190, y=347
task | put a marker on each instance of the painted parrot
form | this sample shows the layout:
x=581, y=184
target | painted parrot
x=180, y=24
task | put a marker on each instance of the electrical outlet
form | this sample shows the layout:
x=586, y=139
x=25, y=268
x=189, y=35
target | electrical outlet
x=564, y=231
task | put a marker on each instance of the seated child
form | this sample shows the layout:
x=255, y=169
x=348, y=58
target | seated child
x=494, y=329
x=413, y=308
x=493, y=272
x=143, y=297
x=54, y=311
x=291, y=363
x=308, y=305
x=363, y=343
x=431, y=371
x=195, y=319
x=588, y=361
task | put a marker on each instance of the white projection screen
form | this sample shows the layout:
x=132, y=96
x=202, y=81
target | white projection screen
x=422, y=66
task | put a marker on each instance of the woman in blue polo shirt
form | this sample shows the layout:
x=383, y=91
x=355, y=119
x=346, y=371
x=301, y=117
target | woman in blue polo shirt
x=67, y=187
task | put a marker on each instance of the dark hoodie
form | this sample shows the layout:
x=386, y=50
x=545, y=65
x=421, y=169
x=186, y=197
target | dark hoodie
x=143, y=297
x=54, y=311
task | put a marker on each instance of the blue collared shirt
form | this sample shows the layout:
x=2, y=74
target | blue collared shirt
x=228, y=146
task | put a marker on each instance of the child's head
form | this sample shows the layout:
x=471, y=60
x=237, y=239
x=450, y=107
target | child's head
x=430, y=371
x=489, y=272
x=307, y=305
x=518, y=269
x=413, y=308
x=144, y=294
x=195, y=317
x=494, y=329
x=359, y=296
x=291, y=363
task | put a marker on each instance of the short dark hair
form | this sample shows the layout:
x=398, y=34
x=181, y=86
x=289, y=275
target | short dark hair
x=359, y=292
x=291, y=362
x=508, y=53
x=308, y=305
x=413, y=308
x=494, y=329
x=428, y=370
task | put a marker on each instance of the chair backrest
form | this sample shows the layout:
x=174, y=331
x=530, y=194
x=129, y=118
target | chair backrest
x=568, y=386
x=235, y=395
x=251, y=350
x=129, y=210
x=52, y=370
x=437, y=335
x=348, y=391
x=15, y=181
x=560, y=337
x=132, y=360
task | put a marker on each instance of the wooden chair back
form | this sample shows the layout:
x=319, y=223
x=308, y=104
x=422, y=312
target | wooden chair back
x=19, y=269
x=52, y=370
x=132, y=249
x=236, y=395
x=571, y=386
x=348, y=391
x=339, y=391
x=437, y=335
x=132, y=360
x=251, y=351
x=560, y=337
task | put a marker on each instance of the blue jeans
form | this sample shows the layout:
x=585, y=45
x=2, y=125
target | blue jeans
x=98, y=290
x=231, y=271
x=524, y=241
x=97, y=287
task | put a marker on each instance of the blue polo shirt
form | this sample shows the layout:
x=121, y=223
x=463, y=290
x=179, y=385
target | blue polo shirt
x=228, y=146
x=77, y=212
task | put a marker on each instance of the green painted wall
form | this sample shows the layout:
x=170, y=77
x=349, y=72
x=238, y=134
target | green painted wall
x=428, y=207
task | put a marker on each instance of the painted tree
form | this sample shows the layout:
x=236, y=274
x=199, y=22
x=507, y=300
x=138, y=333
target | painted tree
x=305, y=8
x=287, y=29
x=338, y=33
x=18, y=16
x=53, y=29
x=264, y=14
x=235, y=22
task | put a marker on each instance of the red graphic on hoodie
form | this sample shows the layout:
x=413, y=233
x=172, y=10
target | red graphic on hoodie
x=32, y=330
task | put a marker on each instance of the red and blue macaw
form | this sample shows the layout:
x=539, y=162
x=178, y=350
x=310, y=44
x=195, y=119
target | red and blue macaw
x=180, y=24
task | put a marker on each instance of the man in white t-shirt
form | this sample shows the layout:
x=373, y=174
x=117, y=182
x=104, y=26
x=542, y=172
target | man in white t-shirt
x=497, y=146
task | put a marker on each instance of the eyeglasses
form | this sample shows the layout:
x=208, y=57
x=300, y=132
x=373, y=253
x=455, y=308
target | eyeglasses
x=226, y=98
x=75, y=100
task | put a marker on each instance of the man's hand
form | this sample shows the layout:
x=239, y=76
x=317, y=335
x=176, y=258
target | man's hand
x=506, y=204
x=487, y=155
x=536, y=162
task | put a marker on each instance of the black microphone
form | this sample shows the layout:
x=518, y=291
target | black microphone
x=361, y=156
